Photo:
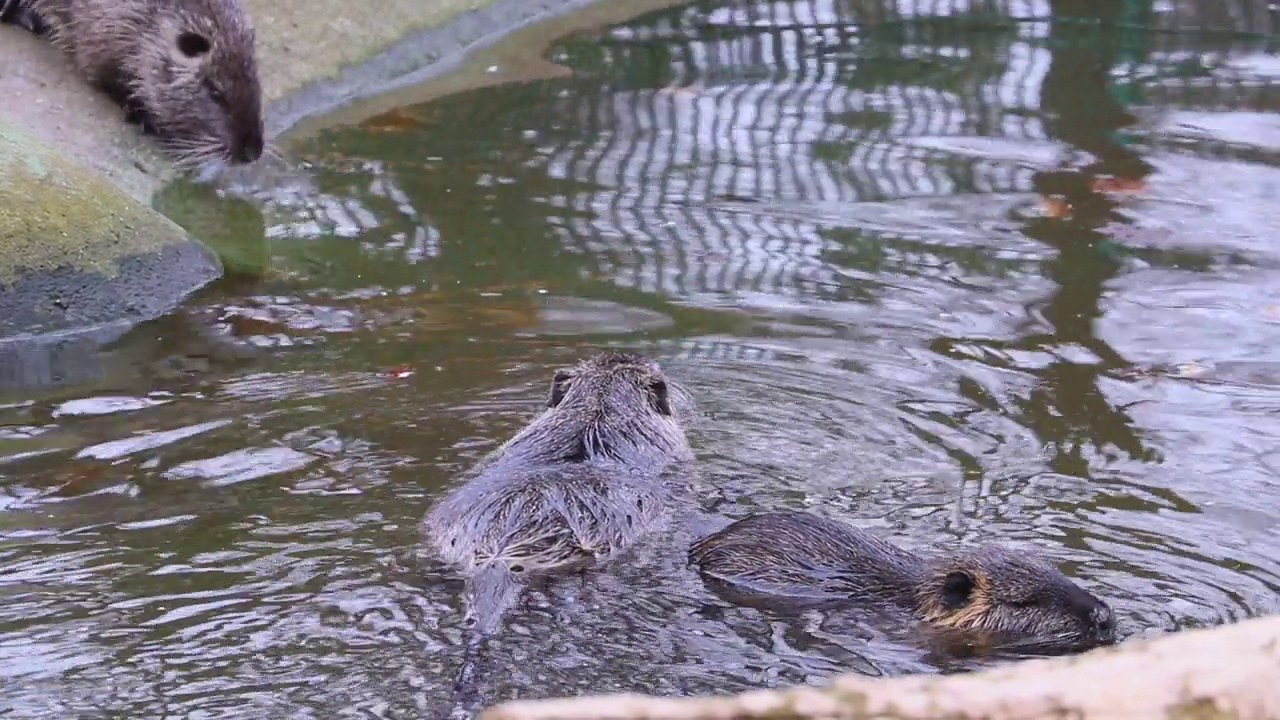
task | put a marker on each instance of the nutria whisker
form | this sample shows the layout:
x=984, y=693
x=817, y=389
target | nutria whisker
x=997, y=596
x=1048, y=643
x=191, y=154
x=583, y=481
x=190, y=160
x=194, y=150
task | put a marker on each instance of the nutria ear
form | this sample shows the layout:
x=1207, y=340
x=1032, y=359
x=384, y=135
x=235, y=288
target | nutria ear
x=957, y=589
x=661, y=396
x=559, y=386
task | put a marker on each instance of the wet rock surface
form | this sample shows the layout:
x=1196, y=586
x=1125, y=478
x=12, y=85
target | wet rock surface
x=314, y=57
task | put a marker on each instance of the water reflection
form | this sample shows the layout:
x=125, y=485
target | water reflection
x=989, y=276
x=1067, y=410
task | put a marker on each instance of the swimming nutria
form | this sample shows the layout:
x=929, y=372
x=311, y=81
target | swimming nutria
x=1011, y=598
x=186, y=70
x=578, y=484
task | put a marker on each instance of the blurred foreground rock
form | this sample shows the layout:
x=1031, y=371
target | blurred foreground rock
x=1225, y=673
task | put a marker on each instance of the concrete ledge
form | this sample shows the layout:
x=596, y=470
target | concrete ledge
x=442, y=47
x=1225, y=673
x=46, y=100
x=74, y=256
x=76, y=250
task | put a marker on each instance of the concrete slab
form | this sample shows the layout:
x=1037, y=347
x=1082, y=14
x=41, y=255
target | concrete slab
x=78, y=250
x=81, y=245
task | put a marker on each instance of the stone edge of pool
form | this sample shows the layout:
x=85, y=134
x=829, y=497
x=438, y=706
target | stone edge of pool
x=79, y=249
x=1230, y=672
x=131, y=264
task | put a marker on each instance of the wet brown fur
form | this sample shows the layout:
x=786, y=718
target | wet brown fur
x=186, y=69
x=1011, y=597
x=581, y=482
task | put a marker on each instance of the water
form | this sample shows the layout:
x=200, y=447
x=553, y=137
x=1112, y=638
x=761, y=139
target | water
x=948, y=283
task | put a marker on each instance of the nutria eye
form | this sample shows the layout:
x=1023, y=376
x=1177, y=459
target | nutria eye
x=192, y=45
x=957, y=590
x=216, y=95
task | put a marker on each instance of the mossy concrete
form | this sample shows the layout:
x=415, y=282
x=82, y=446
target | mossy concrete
x=74, y=255
x=78, y=250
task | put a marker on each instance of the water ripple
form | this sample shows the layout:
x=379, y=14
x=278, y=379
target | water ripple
x=941, y=285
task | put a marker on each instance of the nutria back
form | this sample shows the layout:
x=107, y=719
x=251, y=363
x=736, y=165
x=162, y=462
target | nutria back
x=581, y=483
x=1012, y=598
x=581, y=480
x=187, y=69
x=540, y=521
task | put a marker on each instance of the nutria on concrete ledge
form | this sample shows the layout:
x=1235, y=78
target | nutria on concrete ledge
x=581, y=482
x=186, y=70
x=1004, y=597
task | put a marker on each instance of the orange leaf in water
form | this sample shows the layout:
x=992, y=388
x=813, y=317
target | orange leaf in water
x=1055, y=207
x=1133, y=185
x=249, y=325
x=390, y=121
x=1107, y=183
x=77, y=476
x=399, y=371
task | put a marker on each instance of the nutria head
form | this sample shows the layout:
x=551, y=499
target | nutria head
x=611, y=381
x=613, y=407
x=1015, y=599
x=196, y=79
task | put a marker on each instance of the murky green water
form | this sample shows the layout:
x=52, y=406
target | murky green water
x=949, y=284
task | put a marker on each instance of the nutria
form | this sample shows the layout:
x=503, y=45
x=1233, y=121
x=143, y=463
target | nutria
x=577, y=485
x=184, y=69
x=1008, y=598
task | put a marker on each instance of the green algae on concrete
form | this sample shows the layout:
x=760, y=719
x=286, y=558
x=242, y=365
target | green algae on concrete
x=314, y=56
x=77, y=251
x=229, y=225
x=79, y=264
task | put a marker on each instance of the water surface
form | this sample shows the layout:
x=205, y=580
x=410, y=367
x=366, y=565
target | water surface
x=952, y=281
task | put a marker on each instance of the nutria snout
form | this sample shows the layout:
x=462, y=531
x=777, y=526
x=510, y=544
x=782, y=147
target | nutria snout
x=1011, y=598
x=581, y=482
